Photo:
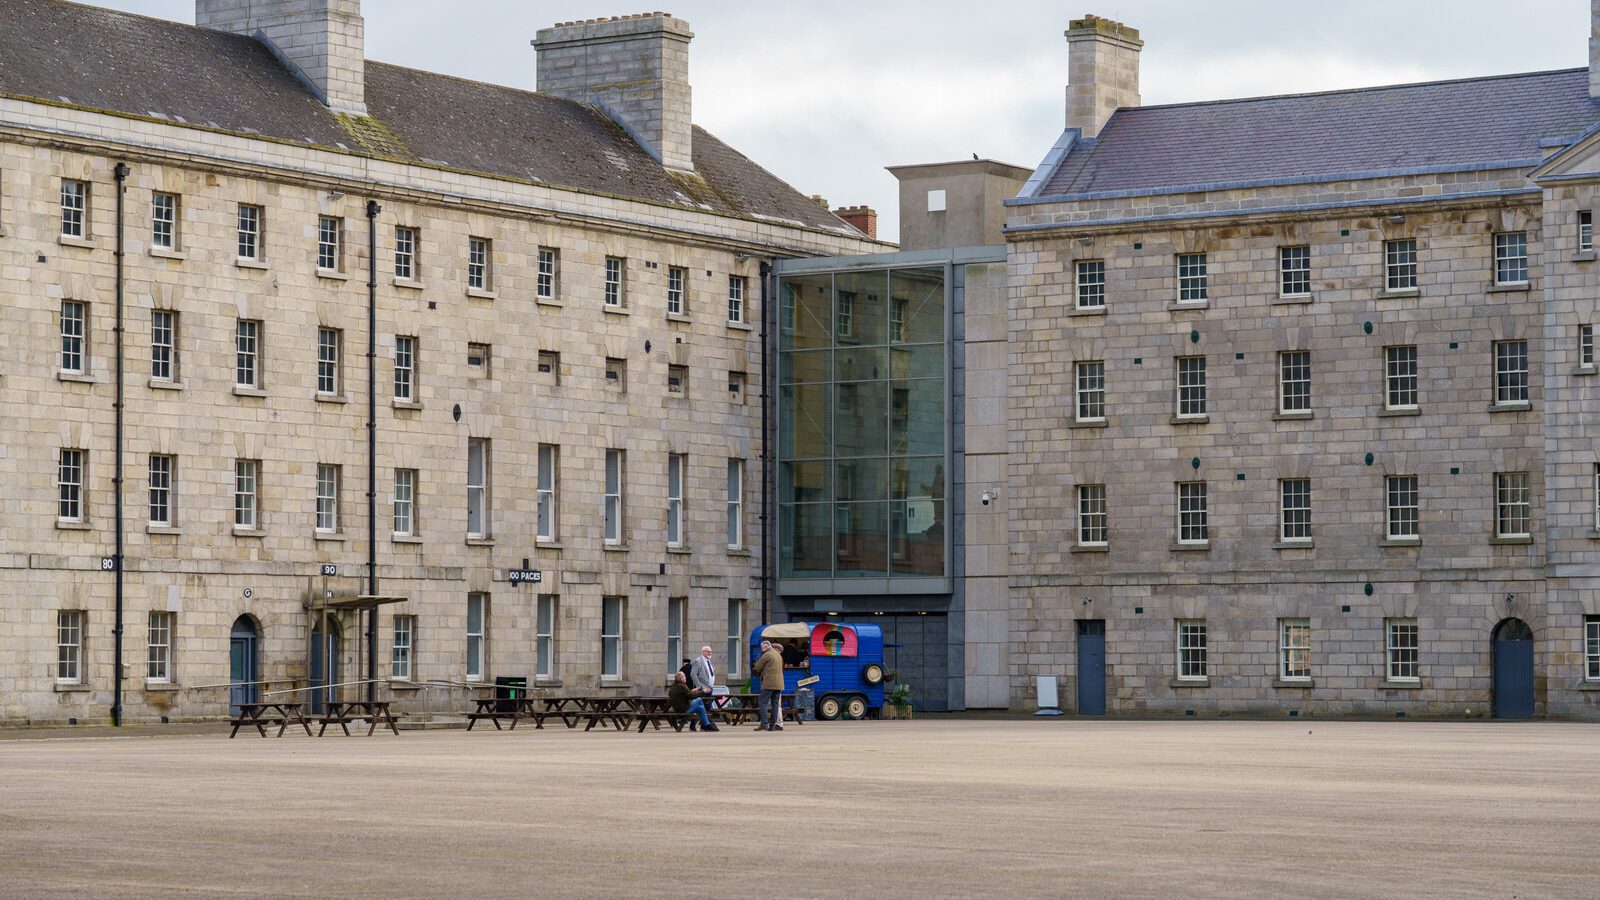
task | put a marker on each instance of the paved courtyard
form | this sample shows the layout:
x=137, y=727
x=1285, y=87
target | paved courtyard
x=946, y=807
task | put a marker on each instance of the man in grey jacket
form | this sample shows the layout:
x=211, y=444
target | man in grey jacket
x=702, y=672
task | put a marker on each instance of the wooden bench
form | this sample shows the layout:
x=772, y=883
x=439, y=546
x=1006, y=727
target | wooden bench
x=490, y=709
x=261, y=715
x=657, y=717
x=341, y=713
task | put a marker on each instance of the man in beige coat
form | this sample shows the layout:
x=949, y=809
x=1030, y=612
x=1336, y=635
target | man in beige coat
x=769, y=707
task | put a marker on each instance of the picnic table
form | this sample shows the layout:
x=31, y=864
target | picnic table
x=280, y=713
x=737, y=709
x=343, y=712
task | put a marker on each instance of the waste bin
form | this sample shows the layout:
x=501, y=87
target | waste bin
x=507, y=691
x=805, y=704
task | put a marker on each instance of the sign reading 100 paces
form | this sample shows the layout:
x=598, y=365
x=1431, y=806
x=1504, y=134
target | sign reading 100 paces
x=524, y=576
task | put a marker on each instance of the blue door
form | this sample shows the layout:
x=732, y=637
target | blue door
x=1513, y=670
x=324, y=665
x=242, y=667
x=1091, y=667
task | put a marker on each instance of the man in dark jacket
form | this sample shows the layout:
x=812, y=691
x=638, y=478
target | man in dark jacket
x=769, y=708
x=683, y=699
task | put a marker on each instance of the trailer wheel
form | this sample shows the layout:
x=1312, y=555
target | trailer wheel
x=828, y=708
x=856, y=708
x=873, y=674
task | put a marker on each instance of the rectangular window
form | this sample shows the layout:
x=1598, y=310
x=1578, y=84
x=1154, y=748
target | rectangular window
x=158, y=647
x=1091, y=391
x=676, y=463
x=405, y=253
x=736, y=382
x=1400, y=377
x=1294, y=381
x=549, y=266
x=1591, y=648
x=1586, y=346
x=1403, y=649
x=1585, y=231
x=735, y=504
x=162, y=475
x=897, y=319
x=544, y=649
x=736, y=285
x=1091, y=283
x=1294, y=271
x=329, y=344
x=74, y=336
x=405, y=629
x=477, y=488
x=1402, y=518
x=405, y=369
x=477, y=635
x=1192, y=286
x=247, y=353
x=1092, y=517
x=1191, y=386
x=477, y=264
x=1193, y=527
x=1294, y=649
x=405, y=502
x=245, y=473
x=1513, y=506
x=1294, y=509
x=1510, y=372
x=611, y=637
x=612, y=513
x=330, y=243
x=616, y=374
x=677, y=615
x=613, y=295
x=69, y=646
x=735, y=646
x=548, y=363
x=164, y=221
x=677, y=379
x=1400, y=265
x=250, y=242
x=1511, y=257
x=676, y=276
x=327, y=498
x=478, y=359
x=845, y=326
x=74, y=208
x=1192, y=650
x=549, y=455
x=163, y=345
x=69, y=485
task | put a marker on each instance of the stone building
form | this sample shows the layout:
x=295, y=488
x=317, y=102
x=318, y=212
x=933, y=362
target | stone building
x=567, y=292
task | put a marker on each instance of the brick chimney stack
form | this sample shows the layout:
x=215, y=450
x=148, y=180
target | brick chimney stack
x=322, y=41
x=1102, y=71
x=865, y=219
x=635, y=68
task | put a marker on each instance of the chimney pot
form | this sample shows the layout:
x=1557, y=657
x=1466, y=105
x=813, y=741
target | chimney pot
x=1103, y=71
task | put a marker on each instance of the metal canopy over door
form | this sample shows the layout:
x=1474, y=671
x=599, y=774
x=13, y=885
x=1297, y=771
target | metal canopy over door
x=1513, y=670
x=324, y=664
x=1091, y=667
x=243, y=667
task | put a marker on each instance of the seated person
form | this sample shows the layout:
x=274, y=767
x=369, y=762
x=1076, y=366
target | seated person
x=684, y=700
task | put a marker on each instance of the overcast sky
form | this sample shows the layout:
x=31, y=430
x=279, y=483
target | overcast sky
x=825, y=93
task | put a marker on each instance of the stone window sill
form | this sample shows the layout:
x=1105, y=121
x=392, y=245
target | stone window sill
x=1088, y=423
x=1191, y=420
x=162, y=529
x=1583, y=370
x=407, y=405
x=1399, y=412
x=406, y=538
x=1188, y=305
x=332, y=275
x=614, y=548
x=547, y=681
x=1396, y=293
x=548, y=545
x=1520, y=286
x=250, y=264
x=1293, y=684
x=78, y=377
x=161, y=687
x=740, y=326
x=64, y=525
x=1511, y=539
x=1299, y=415
x=80, y=243
x=1090, y=548
x=1589, y=685
x=162, y=385
x=1583, y=256
x=1522, y=406
x=616, y=310
x=678, y=317
x=1400, y=685
x=335, y=536
x=406, y=284
x=738, y=551
x=1087, y=311
x=61, y=688
x=679, y=551
x=248, y=532
x=1190, y=682
x=401, y=684
x=1294, y=545
x=164, y=253
x=1189, y=546
x=549, y=301
x=332, y=398
x=480, y=542
x=481, y=294
x=1294, y=300
x=1400, y=542
x=613, y=681
x=240, y=390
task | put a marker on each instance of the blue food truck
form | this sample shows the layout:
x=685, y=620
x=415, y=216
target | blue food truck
x=845, y=659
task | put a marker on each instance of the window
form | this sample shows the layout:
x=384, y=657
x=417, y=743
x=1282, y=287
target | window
x=405, y=502
x=405, y=253
x=735, y=647
x=327, y=498
x=477, y=635
x=74, y=208
x=1092, y=517
x=611, y=637
x=677, y=614
x=736, y=382
x=845, y=326
x=1400, y=265
x=163, y=345
x=549, y=265
x=1294, y=509
x=1192, y=650
x=1294, y=271
x=1402, y=649
x=250, y=242
x=544, y=648
x=1585, y=231
x=1192, y=525
x=330, y=243
x=1511, y=258
x=677, y=379
x=245, y=472
x=247, y=353
x=1091, y=391
x=676, y=275
x=478, y=357
x=1586, y=346
x=477, y=488
x=405, y=629
x=477, y=264
x=405, y=369
x=1294, y=381
x=162, y=472
x=736, y=285
x=1510, y=372
x=1400, y=377
x=164, y=221
x=74, y=336
x=69, y=485
x=1512, y=505
x=1402, y=515
x=676, y=463
x=617, y=374
x=1294, y=649
x=549, y=456
x=329, y=341
x=158, y=647
x=548, y=363
x=612, y=513
x=735, y=504
x=69, y=646
x=1191, y=386
x=1591, y=647
x=1192, y=277
x=613, y=291
x=1091, y=283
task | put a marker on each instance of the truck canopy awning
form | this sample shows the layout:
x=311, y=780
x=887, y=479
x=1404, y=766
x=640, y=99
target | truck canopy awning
x=787, y=630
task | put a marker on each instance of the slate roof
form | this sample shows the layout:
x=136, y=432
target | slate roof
x=133, y=65
x=1461, y=123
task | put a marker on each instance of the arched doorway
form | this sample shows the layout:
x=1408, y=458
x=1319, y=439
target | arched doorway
x=1513, y=670
x=324, y=664
x=244, y=663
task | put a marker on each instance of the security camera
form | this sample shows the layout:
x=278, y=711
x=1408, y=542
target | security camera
x=985, y=498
